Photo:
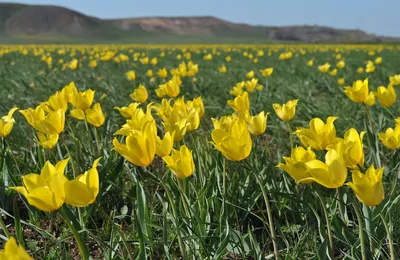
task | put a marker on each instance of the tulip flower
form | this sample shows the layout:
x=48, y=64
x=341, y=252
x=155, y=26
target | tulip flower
x=295, y=165
x=179, y=127
x=360, y=70
x=193, y=119
x=324, y=68
x=82, y=100
x=332, y=174
x=95, y=115
x=370, y=67
x=140, y=147
x=222, y=69
x=56, y=102
x=164, y=146
x=319, y=135
x=251, y=84
x=368, y=187
x=340, y=64
x=162, y=73
x=197, y=103
x=170, y=89
x=257, y=124
x=12, y=251
x=232, y=138
x=359, y=92
x=390, y=138
x=149, y=73
x=267, y=72
x=310, y=63
x=241, y=103
x=47, y=141
x=130, y=75
x=127, y=112
x=7, y=123
x=340, y=81
x=45, y=191
x=395, y=80
x=237, y=90
x=386, y=96
x=180, y=162
x=52, y=123
x=84, y=189
x=140, y=94
x=287, y=111
x=69, y=90
x=378, y=60
x=250, y=74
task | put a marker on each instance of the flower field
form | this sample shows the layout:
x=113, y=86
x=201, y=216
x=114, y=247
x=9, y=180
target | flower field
x=199, y=152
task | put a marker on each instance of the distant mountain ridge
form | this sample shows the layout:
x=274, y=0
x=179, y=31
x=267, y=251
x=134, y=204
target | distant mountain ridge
x=54, y=22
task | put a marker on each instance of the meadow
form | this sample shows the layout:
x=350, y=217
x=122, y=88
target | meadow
x=199, y=151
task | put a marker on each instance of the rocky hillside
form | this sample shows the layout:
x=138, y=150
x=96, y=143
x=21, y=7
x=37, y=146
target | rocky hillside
x=52, y=22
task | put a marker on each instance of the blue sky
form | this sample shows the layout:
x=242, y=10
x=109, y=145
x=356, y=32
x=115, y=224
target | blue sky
x=379, y=17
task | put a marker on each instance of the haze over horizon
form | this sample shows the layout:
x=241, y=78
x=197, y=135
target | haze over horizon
x=373, y=17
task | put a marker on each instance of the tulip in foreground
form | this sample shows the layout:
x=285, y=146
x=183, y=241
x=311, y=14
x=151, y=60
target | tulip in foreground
x=7, y=123
x=359, y=93
x=84, y=189
x=319, y=135
x=351, y=148
x=140, y=94
x=95, y=115
x=295, y=165
x=287, y=111
x=257, y=124
x=164, y=146
x=390, y=138
x=232, y=138
x=45, y=191
x=368, y=187
x=386, y=96
x=332, y=174
x=12, y=251
x=241, y=103
x=180, y=162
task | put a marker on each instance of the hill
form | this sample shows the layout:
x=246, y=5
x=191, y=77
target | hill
x=41, y=23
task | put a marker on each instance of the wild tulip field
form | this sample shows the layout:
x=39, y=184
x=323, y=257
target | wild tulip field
x=199, y=152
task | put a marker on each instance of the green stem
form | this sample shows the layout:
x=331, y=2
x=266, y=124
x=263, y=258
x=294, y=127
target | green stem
x=389, y=237
x=341, y=205
x=269, y=213
x=290, y=134
x=361, y=232
x=4, y=227
x=369, y=225
x=328, y=226
x=83, y=250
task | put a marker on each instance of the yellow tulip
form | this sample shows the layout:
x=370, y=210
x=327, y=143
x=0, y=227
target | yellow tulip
x=370, y=67
x=228, y=59
x=138, y=121
x=295, y=165
x=222, y=69
x=179, y=127
x=73, y=65
x=390, y=138
x=237, y=90
x=149, y=73
x=351, y=148
x=232, y=138
x=340, y=81
x=180, y=162
x=52, y=123
x=56, y=102
x=197, y=103
x=241, y=103
x=154, y=61
x=162, y=73
x=95, y=115
x=251, y=84
x=250, y=74
x=360, y=70
x=170, y=89
x=310, y=63
x=386, y=96
x=84, y=189
x=340, y=64
x=7, y=123
x=140, y=147
x=140, y=94
x=47, y=141
x=130, y=75
x=45, y=191
x=324, y=68
x=33, y=115
x=368, y=187
x=164, y=146
x=267, y=72
x=319, y=135
x=127, y=112
x=82, y=100
x=69, y=90
x=395, y=80
x=193, y=119
x=332, y=174
x=358, y=92
x=378, y=60
x=93, y=64
x=257, y=124
x=12, y=251
x=287, y=111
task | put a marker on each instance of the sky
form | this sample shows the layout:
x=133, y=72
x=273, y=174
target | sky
x=378, y=17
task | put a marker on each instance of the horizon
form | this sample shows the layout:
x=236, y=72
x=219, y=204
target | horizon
x=101, y=9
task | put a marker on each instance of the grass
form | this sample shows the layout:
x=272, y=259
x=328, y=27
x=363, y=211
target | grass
x=220, y=211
